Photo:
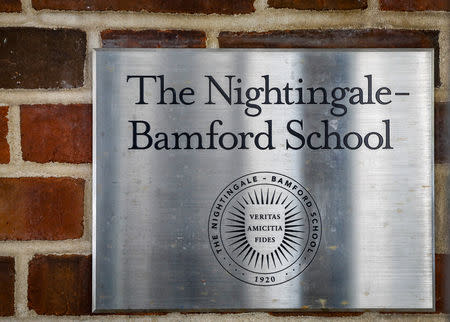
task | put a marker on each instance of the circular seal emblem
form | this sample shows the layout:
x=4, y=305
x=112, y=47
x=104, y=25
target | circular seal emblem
x=264, y=228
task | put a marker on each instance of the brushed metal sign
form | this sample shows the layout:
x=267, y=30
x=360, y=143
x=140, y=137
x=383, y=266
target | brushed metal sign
x=263, y=180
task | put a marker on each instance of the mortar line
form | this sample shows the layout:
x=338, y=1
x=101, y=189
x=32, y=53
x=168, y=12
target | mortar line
x=260, y=5
x=212, y=40
x=21, y=284
x=441, y=95
x=87, y=217
x=27, y=8
x=92, y=41
x=373, y=5
x=268, y=18
x=45, y=247
x=13, y=137
x=43, y=96
x=45, y=170
x=444, y=61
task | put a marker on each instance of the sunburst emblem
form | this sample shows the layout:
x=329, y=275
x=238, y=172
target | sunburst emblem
x=264, y=228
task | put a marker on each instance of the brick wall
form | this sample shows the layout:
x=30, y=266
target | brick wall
x=45, y=119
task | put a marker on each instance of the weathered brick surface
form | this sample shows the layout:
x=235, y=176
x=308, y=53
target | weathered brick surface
x=41, y=208
x=319, y=4
x=175, y=6
x=7, y=277
x=4, y=146
x=41, y=58
x=153, y=38
x=415, y=5
x=60, y=285
x=442, y=266
x=56, y=133
x=359, y=38
x=442, y=132
x=10, y=6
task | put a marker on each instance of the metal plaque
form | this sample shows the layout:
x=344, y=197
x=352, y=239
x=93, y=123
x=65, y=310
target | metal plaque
x=263, y=180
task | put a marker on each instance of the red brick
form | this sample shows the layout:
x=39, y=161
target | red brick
x=41, y=58
x=319, y=4
x=41, y=208
x=442, y=265
x=415, y=5
x=7, y=272
x=442, y=132
x=60, y=285
x=153, y=38
x=10, y=6
x=174, y=6
x=4, y=146
x=347, y=38
x=56, y=133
